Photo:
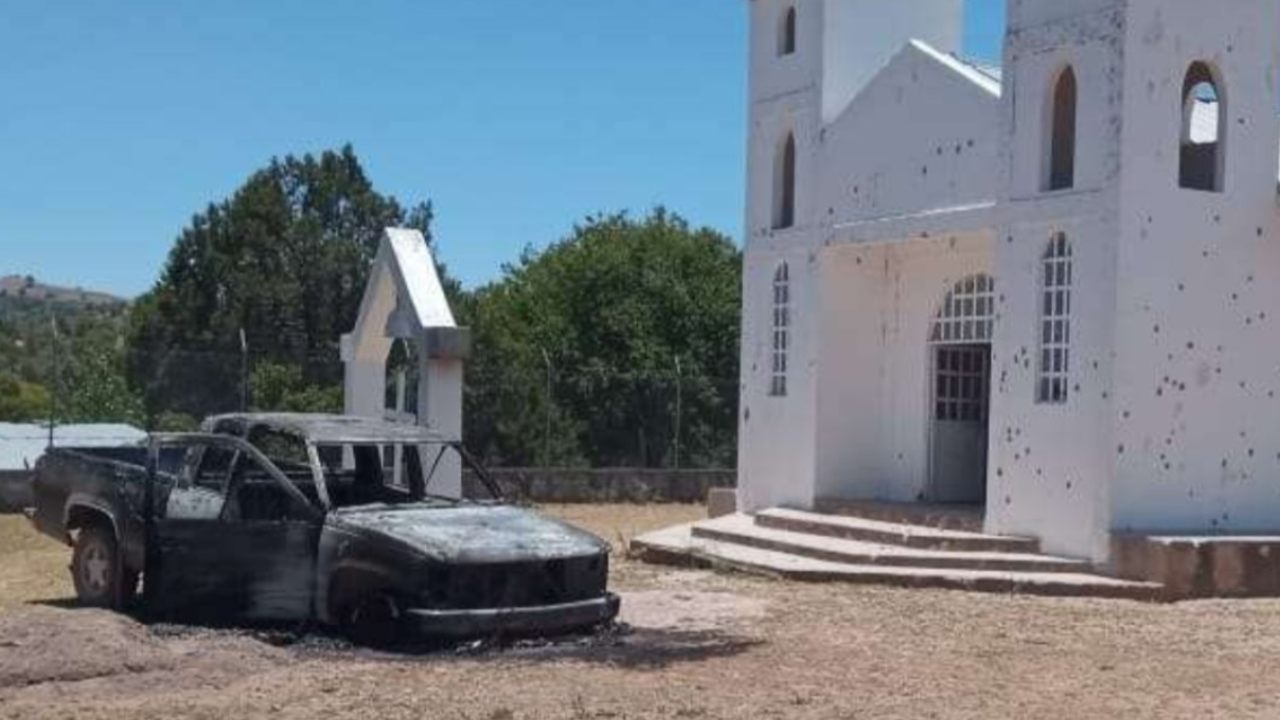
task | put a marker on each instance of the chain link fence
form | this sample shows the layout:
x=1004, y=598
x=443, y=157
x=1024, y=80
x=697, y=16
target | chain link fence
x=533, y=416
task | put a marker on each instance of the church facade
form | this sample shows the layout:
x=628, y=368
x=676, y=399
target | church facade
x=1050, y=286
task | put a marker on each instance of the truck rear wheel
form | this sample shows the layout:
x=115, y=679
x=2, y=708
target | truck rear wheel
x=96, y=569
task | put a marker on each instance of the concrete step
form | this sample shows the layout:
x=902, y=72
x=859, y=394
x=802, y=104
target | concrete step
x=965, y=518
x=744, y=530
x=678, y=545
x=875, y=531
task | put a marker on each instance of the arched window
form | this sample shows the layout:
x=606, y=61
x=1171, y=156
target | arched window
x=787, y=33
x=967, y=315
x=1054, y=365
x=781, y=330
x=1062, y=133
x=1204, y=124
x=784, y=184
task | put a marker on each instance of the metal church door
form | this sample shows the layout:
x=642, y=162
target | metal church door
x=961, y=393
x=960, y=369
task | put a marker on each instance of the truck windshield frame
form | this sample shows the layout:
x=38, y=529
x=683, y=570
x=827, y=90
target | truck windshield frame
x=361, y=472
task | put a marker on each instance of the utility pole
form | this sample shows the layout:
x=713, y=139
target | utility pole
x=546, y=433
x=244, y=372
x=679, y=402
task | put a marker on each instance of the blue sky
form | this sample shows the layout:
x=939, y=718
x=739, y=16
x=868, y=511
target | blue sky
x=120, y=120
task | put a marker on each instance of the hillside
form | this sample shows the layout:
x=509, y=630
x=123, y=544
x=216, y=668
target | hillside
x=25, y=287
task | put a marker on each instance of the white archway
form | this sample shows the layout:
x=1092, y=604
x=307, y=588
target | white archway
x=405, y=300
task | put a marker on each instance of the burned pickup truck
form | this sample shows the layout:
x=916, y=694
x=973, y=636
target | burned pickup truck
x=286, y=517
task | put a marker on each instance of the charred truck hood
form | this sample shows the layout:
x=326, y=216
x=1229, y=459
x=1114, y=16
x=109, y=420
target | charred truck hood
x=469, y=534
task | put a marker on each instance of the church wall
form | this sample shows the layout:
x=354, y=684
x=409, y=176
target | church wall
x=1198, y=363
x=874, y=411
x=1050, y=464
x=854, y=49
x=776, y=434
x=921, y=136
x=773, y=76
x=855, y=283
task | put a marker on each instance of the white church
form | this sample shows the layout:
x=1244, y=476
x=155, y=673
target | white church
x=1050, y=288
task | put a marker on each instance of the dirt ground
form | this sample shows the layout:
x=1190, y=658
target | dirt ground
x=693, y=644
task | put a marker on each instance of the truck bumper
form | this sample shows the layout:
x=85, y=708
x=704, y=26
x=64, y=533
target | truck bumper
x=544, y=619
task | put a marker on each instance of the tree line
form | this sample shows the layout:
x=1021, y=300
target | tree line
x=616, y=345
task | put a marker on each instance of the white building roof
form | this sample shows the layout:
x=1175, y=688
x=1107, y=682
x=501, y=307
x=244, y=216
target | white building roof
x=22, y=444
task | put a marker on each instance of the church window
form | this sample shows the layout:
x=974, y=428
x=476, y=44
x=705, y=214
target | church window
x=1054, y=362
x=967, y=315
x=1062, y=133
x=781, y=330
x=1204, y=117
x=787, y=33
x=784, y=184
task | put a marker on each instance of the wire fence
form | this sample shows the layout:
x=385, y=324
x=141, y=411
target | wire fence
x=536, y=414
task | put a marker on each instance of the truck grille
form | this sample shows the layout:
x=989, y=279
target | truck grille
x=523, y=584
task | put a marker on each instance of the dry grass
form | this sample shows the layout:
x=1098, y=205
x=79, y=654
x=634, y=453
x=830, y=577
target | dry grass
x=703, y=646
x=32, y=566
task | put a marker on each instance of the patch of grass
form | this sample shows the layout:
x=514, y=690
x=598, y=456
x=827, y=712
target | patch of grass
x=34, y=566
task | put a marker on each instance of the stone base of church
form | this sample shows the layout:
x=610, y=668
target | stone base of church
x=1191, y=566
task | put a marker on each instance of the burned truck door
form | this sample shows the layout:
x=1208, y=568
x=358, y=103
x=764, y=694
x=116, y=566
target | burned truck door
x=249, y=554
x=184, y=576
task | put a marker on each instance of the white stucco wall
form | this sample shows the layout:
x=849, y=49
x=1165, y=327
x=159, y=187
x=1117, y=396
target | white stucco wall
x=1198, y=371
x=860, y=36
x=921, y=136
x=914, y=172
x=1050, y=466
x=874, y=366
x=779, y=438
x=776, y=434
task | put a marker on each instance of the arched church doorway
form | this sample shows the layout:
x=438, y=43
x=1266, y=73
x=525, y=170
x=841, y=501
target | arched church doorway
x=960, y=371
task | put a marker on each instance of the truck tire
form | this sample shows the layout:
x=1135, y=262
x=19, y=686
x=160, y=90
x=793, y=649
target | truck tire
x=374, y=621
x=96, y=569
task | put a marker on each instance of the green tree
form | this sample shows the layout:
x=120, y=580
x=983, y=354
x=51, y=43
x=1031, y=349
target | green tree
x=94, y=390
x=611, y=308
x=22, y=401
x=77, y=374
x=282, y=388
x=285, y=258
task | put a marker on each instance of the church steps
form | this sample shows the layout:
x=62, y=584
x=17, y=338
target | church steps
x=742, y=530
x=680, y=546
x=875, y=531
x=963, y=518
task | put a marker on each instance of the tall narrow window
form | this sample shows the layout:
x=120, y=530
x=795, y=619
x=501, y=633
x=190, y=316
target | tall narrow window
x=781, y=330
x=787, y=33
x=1062, y=133
x=1055, y=322
x=784, y=184
x=1204, y=116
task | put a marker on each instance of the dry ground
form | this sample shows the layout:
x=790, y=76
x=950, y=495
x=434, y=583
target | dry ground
x=699, y=645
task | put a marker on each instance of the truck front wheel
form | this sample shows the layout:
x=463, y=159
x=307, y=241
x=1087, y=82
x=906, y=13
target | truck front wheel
x=374, y=621
x=96, y=569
